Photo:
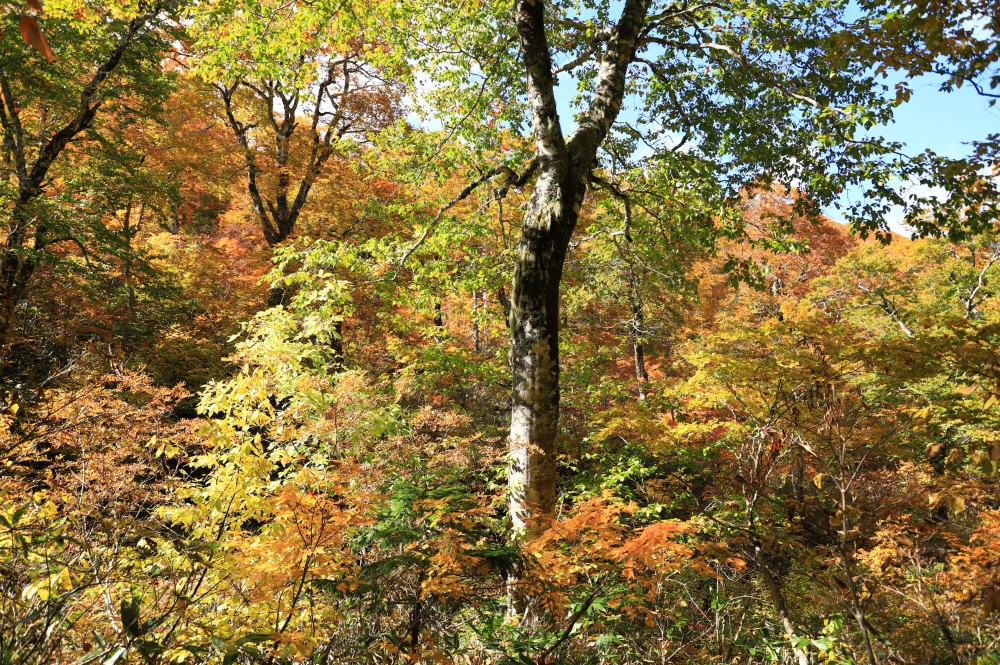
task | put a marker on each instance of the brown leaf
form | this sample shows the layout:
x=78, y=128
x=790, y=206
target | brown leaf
x=995, y=452
x=35, y=4
x=33, y=36
x=934, y=449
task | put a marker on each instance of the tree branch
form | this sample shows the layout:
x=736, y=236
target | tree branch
x=621, y=196
x=89, y=103
x=513, y=179
x=11, y=121
x=609, y=89
x=530, y=20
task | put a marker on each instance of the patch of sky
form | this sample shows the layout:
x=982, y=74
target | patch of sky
x=942, y=122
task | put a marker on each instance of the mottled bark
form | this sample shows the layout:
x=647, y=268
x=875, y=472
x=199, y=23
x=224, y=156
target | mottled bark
x=534, y=358
x=551, y=216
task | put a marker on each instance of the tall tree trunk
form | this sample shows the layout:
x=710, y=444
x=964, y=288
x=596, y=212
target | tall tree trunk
x=174, y=226
x=129, y=231
x=504, y=301
x=640, y=363
x=15, y=271
x=637, y=325
x=564, y=169
x=534, y=354
x=17, y=265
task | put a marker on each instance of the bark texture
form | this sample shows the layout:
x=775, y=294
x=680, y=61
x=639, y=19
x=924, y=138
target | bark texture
x=636, y=327
x=551, y=216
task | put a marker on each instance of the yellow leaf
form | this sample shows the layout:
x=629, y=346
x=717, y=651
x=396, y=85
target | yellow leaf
x=818, y=481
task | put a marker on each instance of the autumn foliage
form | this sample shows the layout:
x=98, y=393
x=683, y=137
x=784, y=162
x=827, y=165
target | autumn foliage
x=255, y=379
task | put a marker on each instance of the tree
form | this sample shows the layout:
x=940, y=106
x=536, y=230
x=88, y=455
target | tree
x=189, y=157
x=108, y=65
x=953, y=43
x=702, y=85
x=313, y=77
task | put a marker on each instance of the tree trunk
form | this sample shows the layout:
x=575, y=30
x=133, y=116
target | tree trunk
x=564, y=169
x=15, y=271
x=128, y=232
x=778, y=598
x=337, y=346
x=475, y=322
x=638, y=323
x=438, y=315
x=534, y=354
x=640, y=364
x=857, y=609
x=504, y=301
x=17, y=265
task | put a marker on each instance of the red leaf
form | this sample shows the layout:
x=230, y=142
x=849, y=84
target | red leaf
x=33, y=36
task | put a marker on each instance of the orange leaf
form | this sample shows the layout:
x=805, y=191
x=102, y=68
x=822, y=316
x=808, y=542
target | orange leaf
x=33, y=36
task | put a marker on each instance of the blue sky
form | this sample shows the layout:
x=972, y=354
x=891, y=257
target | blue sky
x=939, y=121
x=943, y=121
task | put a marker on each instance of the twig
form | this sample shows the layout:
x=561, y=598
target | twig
x=514, y=179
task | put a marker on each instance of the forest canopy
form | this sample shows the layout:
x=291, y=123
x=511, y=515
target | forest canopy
x=497, y=332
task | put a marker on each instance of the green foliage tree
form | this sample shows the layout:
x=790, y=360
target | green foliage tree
x=688, y=89
x=952, y=44
x=298, y=83
x=107, y=71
